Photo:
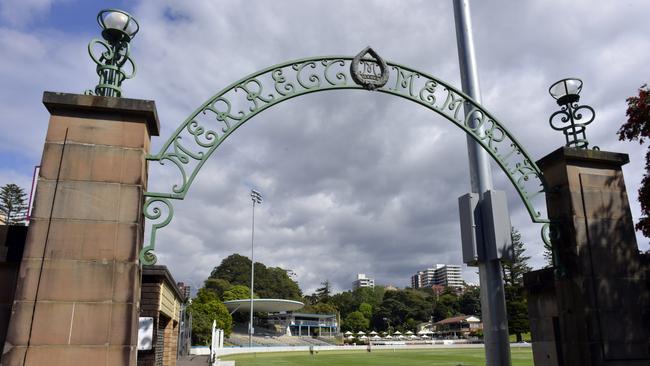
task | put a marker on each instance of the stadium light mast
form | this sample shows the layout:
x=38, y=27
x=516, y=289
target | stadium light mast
x=256, y=197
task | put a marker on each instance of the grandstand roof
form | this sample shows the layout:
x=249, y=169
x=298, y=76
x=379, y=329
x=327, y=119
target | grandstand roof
x=263, y=305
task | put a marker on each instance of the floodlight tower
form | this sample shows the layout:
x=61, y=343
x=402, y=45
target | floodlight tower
x=256, y=197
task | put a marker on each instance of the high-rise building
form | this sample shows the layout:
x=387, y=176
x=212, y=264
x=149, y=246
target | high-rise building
x=448, y=275
x=363, y=281
x=185, y=290
x=442, y=274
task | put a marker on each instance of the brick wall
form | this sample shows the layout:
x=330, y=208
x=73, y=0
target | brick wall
x=171, y=343
x=149, y=302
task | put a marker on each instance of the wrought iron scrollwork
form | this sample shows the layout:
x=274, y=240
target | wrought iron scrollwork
x=208, y=126
x=569, y=120
x=111, y=65
x=160, y=211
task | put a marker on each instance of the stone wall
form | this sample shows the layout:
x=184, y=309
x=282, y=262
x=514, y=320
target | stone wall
x=601, y=285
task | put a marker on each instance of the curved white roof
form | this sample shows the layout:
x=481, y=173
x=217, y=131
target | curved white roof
x=263, y=305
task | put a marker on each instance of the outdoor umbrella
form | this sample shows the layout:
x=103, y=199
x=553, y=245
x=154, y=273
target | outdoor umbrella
x=372, y=333
x=348, y=333
x=408, y=333
x=361, y=332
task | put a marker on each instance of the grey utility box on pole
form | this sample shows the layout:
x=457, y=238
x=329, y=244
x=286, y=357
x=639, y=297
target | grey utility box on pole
x=470, y=216
x=496, y=226
x=491, y=215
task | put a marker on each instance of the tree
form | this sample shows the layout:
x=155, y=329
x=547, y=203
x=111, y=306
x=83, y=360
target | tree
x=470, y=301
x=218, y=286
x=237, y=292
x=320, y=308
x=401, y=308
x=514, y=269
x=13, y=209
x=513, y=278
x=446, y=306
x=548, y=256
x=517, y=307
x=637, y=128
x=323, y=293
x=366, y=310
x=206, y=308
x=344, y=301
x=355, y=321
x=236, y=269
x=270, y=282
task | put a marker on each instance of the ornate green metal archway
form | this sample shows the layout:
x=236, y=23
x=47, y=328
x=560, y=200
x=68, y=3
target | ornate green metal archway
x=194, y=141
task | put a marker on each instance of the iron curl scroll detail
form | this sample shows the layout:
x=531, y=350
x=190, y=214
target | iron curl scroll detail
x=572, y=119
x=196, y=139
x=111, y=64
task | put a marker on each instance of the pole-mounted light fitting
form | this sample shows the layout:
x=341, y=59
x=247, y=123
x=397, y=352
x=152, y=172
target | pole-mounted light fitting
x=566, y=90
x=117, y=25
x=569, y=118
x=256, y=196
x=118, y=29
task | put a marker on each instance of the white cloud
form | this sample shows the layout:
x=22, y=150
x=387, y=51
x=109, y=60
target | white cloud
x=21, y=13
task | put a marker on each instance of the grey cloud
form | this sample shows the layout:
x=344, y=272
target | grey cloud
x=353, y=181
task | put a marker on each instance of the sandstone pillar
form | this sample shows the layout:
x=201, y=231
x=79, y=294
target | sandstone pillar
x=77, y=298
x=601, y=288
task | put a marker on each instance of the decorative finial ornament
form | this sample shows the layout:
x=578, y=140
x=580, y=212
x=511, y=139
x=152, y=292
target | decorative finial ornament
x=118, y=29
x=569, y=119
x=371, y=72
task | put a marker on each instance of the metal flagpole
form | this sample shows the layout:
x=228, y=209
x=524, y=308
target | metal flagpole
x=493, y=304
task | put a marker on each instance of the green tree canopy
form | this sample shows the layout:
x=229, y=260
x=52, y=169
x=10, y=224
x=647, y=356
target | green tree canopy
x=366, y=310
x=470, y=301
x=355, y=321
x=13, y=209
x=218, y=286
x=320, y=308
x=270, y=282
x=206, y=308
x=446, y=306
x=238, y=292
x=398, y=307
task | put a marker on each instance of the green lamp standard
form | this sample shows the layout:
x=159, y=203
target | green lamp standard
x=569, y=119
x=118, y=29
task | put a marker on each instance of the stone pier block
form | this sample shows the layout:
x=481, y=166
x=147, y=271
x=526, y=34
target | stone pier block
x=596, y=307
x=77, y=299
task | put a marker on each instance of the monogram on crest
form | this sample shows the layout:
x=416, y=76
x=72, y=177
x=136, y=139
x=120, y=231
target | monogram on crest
x=371, y=73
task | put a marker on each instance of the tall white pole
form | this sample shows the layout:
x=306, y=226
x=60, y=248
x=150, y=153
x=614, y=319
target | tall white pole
x=250, y=324
x=493, y=303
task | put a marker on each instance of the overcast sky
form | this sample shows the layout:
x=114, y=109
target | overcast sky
x=353, y=182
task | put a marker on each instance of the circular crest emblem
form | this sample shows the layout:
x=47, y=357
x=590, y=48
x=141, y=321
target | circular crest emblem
x=369, y=72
